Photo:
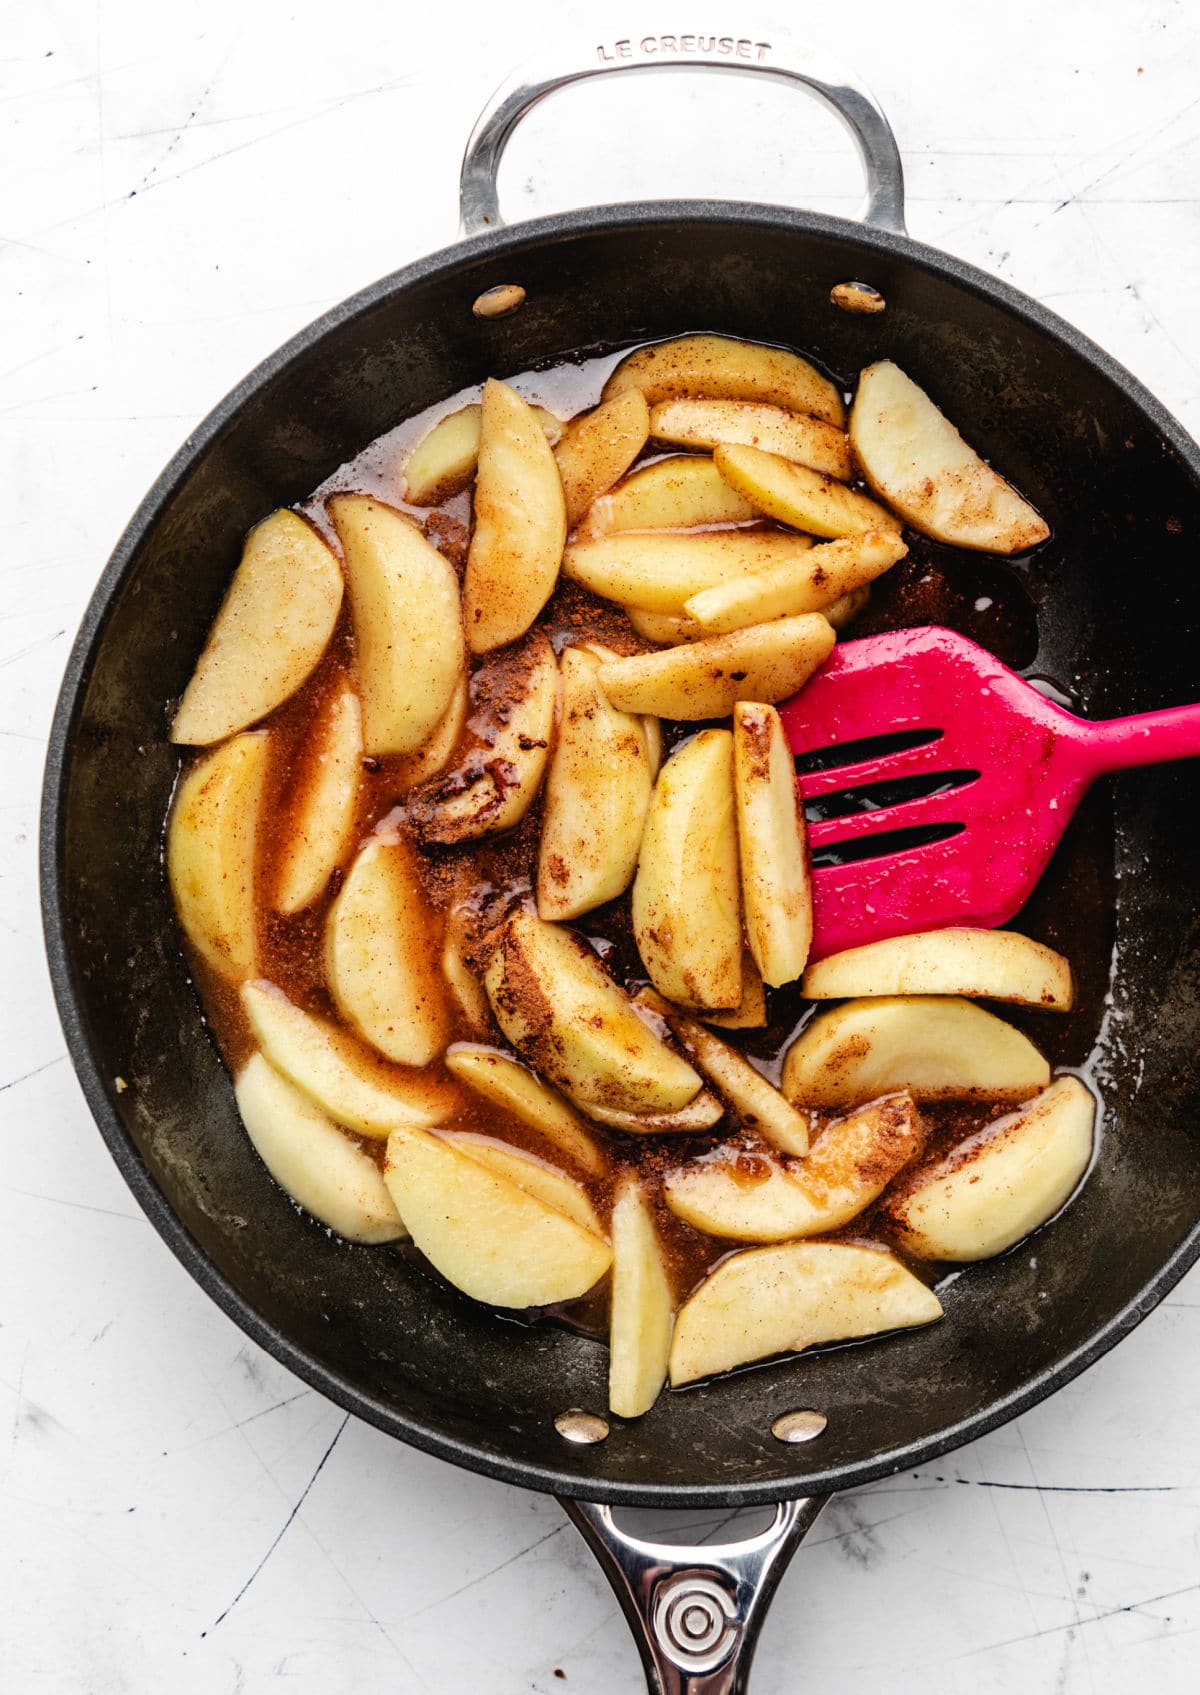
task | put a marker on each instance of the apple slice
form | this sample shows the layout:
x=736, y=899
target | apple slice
x=506, y=1083
x=751, y=1011
x=776, y=1300
x=682, y=492
x=559, y=1007
x=212, y=852
x=937, y=1047
x=597, y=795
x=407, y=623
x=814, y=583
x=1000, y=1184
x=520, y=523
x=668, y=629
x=381, y=958
x=643, y=1306
x=658, y=572
x=487, y=1236
x=701, y=1113
x=793, y=435
x=314, y=1162
x=706, y=679
x=514, y=695
x=320, y=1060
x=599, y=447
x=272, y=627
x=847, y=608
x=685, y=909
x=463, y=978
x=321, y=826
x=916, y=460
x=435, y=753
x=533, y=1175
x=717, y=367
x=443, y=461
x=795, y=495
x=752, y=1199
x=995, y=965
x=772, y=845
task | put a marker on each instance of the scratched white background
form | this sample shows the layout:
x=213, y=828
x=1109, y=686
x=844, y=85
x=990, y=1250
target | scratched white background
x=182, y=188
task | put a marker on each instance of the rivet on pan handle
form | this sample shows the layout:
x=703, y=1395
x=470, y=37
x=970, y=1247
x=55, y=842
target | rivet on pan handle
x=695, y=1612
x=559, y=67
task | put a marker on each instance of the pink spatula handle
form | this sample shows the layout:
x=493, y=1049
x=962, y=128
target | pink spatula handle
x=1115, y=744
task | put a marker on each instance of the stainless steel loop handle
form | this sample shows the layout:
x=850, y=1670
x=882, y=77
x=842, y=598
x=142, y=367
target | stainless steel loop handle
x=695, y=1612
x=559, y=67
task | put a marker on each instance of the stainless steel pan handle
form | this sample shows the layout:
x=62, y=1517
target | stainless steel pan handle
x=559, y=67
x=695, y=1611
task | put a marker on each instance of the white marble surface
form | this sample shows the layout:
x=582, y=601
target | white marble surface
x=184, y=187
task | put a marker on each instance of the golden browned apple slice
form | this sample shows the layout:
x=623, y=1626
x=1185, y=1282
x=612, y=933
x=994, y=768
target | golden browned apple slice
x=510, y=1085
x=435, y=753
x=753, y=1199
x=682, y=492
x=321, y=825
x=657, y=571
x=597, y=794
x=514, y=695
x=751, y=1011
x=847, y=608
x=528, y=1172
x=352, y=1086
x=916, y=460
x=793, y=435
x=407, y=624
x=706, y=679
x=273, y=626
x=491, y=1238
x=686, y=912
x=381, y=956
x=212, y=852
x=443, y=461
x=520, y=523
x=318, y=1165
x=668, y=629
x=463, y=975
x=778, y=1300
x=937, y=1047
x=813, y=583
x=994, y=965
x=559, y=1007
x=643, y=1306
x=700, y=1114
x=599, y=447
x=795, y=495
x=718, y=368
x=772, y=845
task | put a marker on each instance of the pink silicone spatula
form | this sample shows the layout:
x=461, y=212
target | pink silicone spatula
x=995, y=770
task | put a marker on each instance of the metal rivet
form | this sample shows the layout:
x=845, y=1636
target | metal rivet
x=575, y=1425
x=857, y=297
x=498, y=302
x=800, y=1426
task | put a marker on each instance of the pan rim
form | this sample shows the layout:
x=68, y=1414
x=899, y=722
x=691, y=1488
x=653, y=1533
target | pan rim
x=474, y=1457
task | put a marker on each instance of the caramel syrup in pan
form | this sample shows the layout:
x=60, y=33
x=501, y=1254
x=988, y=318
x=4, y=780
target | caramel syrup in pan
x=983, y=597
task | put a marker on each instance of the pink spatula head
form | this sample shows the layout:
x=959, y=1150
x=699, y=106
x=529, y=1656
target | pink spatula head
x=991, y=771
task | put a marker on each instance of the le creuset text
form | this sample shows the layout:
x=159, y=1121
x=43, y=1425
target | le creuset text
x=722, y=46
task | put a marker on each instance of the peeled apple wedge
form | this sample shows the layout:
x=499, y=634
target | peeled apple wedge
x=814, y=583
x=465, y=987
x=435, y=752
x=793, y=435
x=683, y=492
x=795, y=495
x=599, y=448
x=706, y=679
x=849, y=1165
x=996, y=965
x=686, y=912
x=1003, y=1182
x=272, y=627
x=643, y=1307
x=520, y=523
x=916, y=460
x=559, y=1007
x=659, y=572
x=353, y=1087
x=528, y=1172
x=597, y=794
x=751, y=1011
x=407, y=623
x=510, y=1085
x=321, y=827
x=381, y=957
x=778, y=1300
x=845, y=610
x=668, y=629
x=700, y=1114
x=716, y=367
x=312, y=1160
x=937, y=1047
x=212, y=852
x=489, y=1237
x=443, y=462
x=772, y=845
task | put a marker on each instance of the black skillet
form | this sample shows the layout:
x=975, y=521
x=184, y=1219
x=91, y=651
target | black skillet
x=1116, y=624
